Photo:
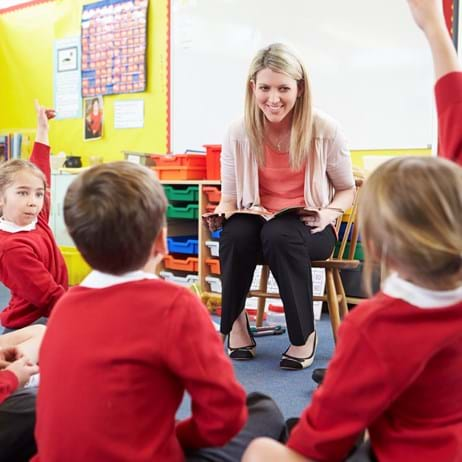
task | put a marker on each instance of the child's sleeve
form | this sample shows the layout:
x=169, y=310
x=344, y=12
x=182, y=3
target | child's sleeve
x=195, y=355
x=8, y=384
x=26, y=275
x=353, y=394
x=41, y=158
x=448, y=93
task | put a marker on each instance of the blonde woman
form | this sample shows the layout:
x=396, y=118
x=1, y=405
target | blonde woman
x=283, y=153
x=397, y=368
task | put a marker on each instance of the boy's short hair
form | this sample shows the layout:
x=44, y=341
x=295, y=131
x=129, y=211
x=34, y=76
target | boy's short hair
x=114, y=213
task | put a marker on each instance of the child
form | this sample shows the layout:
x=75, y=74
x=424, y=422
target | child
x=113, y=397
x=428, y=14
x=31, y=265
x=397, y=368
x=18, y=363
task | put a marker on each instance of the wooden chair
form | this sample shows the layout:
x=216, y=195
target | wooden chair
x=335, y=296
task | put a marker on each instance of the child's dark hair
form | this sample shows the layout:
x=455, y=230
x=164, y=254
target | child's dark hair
x=410, y=214
x=114, y=213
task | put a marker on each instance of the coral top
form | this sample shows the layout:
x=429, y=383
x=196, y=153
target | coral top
x=279, y=185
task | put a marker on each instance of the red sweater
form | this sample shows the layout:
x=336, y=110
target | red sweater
x=8, y=384
x=31, y=265
x=114, y=365
x=397, y=370
x=448, y=92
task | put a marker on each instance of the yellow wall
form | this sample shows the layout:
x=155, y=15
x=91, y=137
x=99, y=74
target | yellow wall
x=26, y=63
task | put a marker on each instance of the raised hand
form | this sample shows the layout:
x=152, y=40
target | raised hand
x=43, y=115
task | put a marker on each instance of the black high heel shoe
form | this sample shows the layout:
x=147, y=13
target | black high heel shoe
x=292, y=363
x=246, y=352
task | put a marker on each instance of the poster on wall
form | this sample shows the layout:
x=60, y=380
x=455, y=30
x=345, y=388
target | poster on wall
x=93, y=118
x=67, y=78
x=113, y=37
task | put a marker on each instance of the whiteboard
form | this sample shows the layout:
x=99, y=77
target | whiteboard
x=369, y=66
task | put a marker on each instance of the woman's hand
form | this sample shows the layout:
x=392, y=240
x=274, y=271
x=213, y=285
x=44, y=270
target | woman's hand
x=320, y=220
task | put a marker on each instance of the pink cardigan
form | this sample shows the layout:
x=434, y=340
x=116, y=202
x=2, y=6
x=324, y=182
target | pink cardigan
x=239, y=169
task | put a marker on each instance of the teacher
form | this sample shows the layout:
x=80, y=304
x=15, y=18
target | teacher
x=283, y=153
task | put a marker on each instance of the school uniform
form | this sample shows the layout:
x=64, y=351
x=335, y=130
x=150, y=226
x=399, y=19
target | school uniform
x=448, y=93
x=31, y=265
x=117, y=357
x=17, y=419
x=396, y=371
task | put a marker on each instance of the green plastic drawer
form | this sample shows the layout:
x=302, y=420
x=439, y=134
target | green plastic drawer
x=359, y=252
x=189, y=211
x=188, y=194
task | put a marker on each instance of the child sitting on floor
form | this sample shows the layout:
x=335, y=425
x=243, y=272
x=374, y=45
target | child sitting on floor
x=144, y=342
x=31, y=265
x=397, y=368
x=18, y=363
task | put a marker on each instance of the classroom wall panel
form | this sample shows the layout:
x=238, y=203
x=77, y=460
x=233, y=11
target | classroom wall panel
x=369, y=65
x=26, y=55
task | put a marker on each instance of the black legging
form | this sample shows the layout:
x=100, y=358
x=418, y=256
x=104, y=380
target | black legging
x=287, y=246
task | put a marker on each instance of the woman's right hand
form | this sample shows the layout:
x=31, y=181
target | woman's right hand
x=23, y=369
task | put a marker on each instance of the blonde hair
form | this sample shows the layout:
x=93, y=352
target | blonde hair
x=279, y=58
x=410, y=216
x=9, y=169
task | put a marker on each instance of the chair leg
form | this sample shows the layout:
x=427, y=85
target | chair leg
x=341, y=292
x=262, y=300
x=332, y=303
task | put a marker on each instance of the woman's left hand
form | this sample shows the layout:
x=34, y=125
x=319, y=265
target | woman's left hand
x=319, y=221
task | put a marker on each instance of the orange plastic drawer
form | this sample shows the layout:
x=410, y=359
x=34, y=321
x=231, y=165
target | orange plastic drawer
x=213, y=193
x=179, y=160
x=210, y=207
x=190, y=264
x=214, y=265
x=180, y=173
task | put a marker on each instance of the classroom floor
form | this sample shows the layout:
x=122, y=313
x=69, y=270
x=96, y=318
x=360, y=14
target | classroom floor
x=292, y=390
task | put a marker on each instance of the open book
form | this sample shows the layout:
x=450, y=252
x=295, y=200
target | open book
x=215, y=219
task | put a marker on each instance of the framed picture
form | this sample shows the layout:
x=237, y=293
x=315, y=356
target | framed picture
x=93, y=118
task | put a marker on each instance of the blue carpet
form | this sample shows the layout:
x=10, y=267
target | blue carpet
x=292, y=390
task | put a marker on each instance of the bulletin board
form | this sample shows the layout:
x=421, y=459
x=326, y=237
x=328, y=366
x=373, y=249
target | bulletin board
x=369, y=65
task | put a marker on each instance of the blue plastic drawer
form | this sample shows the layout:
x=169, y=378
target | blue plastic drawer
x=216, y=234
x=183, y=244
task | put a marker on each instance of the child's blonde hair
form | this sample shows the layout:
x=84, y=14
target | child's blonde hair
x=410, y=215
x=9, y=169
x=279, y=58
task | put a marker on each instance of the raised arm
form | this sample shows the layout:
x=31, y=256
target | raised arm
x=429, y=16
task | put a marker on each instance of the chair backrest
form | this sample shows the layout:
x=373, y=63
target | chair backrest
x=351, y=233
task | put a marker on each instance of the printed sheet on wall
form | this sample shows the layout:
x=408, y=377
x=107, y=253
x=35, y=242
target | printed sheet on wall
x=114, y=47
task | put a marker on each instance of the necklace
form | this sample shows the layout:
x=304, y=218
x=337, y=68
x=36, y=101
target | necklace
x=279, y=144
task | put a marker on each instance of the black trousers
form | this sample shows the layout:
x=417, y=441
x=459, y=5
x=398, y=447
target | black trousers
x=265, y=419
x=286, y=244
x=17, y=421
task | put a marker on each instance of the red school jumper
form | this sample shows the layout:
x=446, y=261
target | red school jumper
x=115, y=363
x=397, y=370
x=8, y=384
x=31, y=265
x=448, y=93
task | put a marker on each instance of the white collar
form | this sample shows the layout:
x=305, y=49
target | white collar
x=396, y=287
x=11, y=227
x=99, y=280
